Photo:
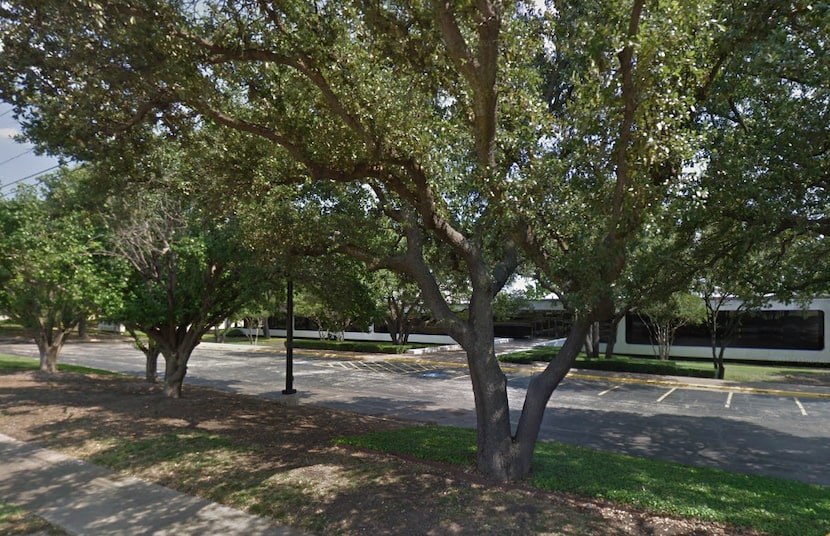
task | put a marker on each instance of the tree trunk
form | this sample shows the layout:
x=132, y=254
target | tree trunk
x=49, y=347
x=663, y=341
x=592, y=341
x=83, y=330
x=539, y=391
x=496, y=453
x=49, y=359
x=501, y=456
x=177, y=351
x=612, y=337
x=151, y=364
x=175, y=369
x=151, y=352
x=720, y=369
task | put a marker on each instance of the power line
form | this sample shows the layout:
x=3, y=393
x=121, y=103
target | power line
x=6, y=161
x=33, y=175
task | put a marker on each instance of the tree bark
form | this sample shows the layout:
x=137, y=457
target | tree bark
x=49, y=358
x=174, y=372
x=592, y=341
x=176, y=348
x=539, y=391
x=83, y=331
x=151, y=364
x=49, y=346
x=720, y=369
x=496, y=453
x=612, y=337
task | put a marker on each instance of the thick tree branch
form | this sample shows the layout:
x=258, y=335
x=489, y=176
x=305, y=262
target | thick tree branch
x=480, y=71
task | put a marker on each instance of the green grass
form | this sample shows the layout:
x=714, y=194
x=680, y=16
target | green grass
x=11, y=363
x=776, y=506
x=14, y=520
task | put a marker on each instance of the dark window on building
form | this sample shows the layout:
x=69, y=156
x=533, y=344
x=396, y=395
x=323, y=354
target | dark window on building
x=792, y=329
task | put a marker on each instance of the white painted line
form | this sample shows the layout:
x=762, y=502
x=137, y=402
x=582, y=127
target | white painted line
x=673, y=389
x=609, y=390
x=729, y=400
x=800, y=406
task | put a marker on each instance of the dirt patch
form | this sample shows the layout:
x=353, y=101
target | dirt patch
x=805, y=378
x=280, y=461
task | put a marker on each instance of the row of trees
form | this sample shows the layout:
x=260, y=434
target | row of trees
x=158, y=261
x=613, y=152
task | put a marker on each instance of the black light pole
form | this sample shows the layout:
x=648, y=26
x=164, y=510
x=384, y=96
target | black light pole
x=289, y=344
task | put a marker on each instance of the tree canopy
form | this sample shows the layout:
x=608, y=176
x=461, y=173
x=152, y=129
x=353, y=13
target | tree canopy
x=53, y=266
x=458, y=141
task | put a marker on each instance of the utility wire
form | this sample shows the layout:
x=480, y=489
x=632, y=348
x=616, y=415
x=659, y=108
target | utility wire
x=6, y=161
x=33, y=175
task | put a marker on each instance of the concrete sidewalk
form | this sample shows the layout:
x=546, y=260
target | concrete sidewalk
x=85, y=499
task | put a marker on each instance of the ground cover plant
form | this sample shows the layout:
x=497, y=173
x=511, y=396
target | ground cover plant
x=776, y=506
x=14, y=520
x=10, y=363
x=283, y=462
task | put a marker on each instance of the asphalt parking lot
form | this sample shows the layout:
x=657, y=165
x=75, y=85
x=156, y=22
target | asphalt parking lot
x=777, y=430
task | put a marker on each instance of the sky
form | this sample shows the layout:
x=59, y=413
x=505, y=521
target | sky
x=18, y=162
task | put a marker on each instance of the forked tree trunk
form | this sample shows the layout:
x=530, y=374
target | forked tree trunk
x=501, y=455
x=49, y=359
x=496, y=454
x=539, y=391
x=177, y=351
x=151, y=352
x=49, y=347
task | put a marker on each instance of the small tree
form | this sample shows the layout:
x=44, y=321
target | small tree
x=151, y=351
x=51, y=270
x=400, y=298
x=664, y=318
x=188, y=275
x=333, y=292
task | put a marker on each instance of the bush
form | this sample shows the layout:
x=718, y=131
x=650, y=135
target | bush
x=657, y=367
x=617, y=364
x=367, y=347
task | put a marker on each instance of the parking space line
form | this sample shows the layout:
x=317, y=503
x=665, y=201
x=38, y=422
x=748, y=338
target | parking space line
x=729, y=400
x=800, y=406
x=670, y=391
x=609, y=390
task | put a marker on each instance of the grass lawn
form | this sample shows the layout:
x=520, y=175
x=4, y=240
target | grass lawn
x=14, y=520
x=11, y=363
x=776, y=506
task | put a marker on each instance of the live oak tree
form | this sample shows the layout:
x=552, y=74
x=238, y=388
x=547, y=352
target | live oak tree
x=332, y=291
x=188, y=272
x=468, y=137
x=400, y=304
x=762, y=190
x=53, y=268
